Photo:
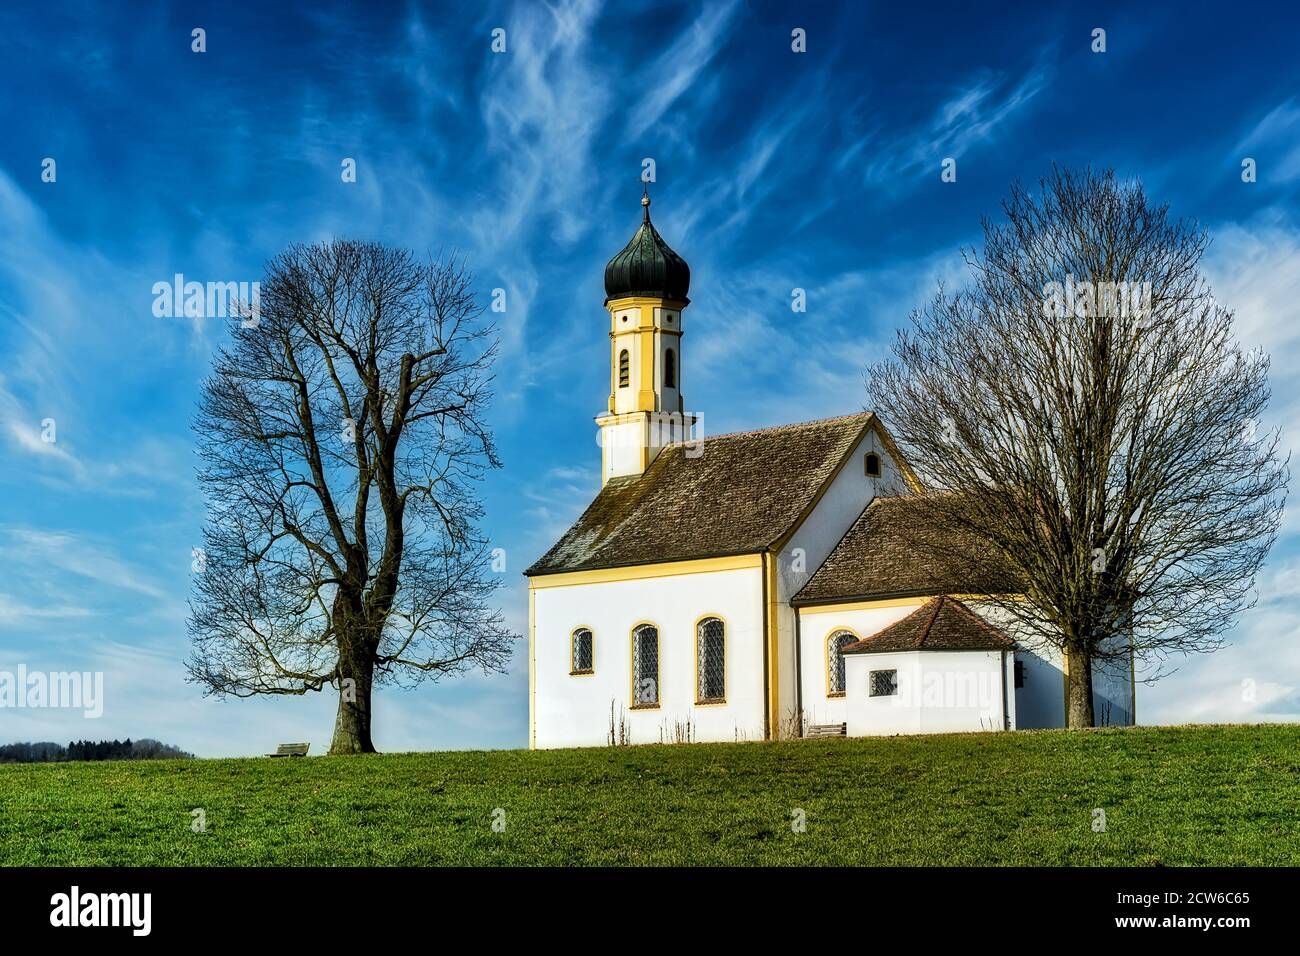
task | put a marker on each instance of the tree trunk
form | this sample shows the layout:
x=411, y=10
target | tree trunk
x=1079, y=696
x=352, y=724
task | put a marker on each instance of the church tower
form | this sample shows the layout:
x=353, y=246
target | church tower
x=645, y=294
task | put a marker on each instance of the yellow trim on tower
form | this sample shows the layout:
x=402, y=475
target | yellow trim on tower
x=633, y=301
x=639, y=572
x=648, y=390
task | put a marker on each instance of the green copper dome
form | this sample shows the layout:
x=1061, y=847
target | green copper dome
x=646, y=266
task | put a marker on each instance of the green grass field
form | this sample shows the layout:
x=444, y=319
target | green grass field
x=1194, y=795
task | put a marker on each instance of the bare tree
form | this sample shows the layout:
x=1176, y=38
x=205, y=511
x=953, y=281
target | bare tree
x=1083, y=412
x=342, y=436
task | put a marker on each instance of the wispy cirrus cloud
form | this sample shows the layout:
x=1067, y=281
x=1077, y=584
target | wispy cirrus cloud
x=1277, y=134
x=668, y=76
x=970, y=118
x=541, y=107
x=81, y=557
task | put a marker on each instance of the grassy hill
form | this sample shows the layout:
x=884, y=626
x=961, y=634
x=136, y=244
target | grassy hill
x=1193, y=795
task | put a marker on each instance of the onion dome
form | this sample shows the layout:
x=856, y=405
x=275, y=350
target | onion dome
x=646, y=266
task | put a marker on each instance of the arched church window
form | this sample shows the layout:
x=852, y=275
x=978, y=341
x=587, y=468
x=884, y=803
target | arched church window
x=645, y=666
x=670, y=369
x=871, y=465
x=582, y=652
x=835, y=661
x=624, y=369
x=711, y=661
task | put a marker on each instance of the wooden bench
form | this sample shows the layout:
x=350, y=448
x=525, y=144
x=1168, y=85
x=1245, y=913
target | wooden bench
x=827, y=730
x=290, y=750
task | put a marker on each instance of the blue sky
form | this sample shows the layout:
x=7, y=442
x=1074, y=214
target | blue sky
x=775, y=170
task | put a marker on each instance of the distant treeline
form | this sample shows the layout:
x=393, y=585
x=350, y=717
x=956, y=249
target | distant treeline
x=47, y=752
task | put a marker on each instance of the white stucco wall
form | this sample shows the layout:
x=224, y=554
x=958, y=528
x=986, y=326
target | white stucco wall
x=1041, y=701
x=815, y=629
x=621, y=442
x=938, y=692
x=574, y=711
x=844, y=501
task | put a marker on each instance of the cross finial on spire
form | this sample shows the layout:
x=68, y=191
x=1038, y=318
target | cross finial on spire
x=645, y=202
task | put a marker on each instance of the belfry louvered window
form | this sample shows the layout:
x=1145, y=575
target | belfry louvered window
x=624, y=369
x=711, y=660
x=645, y=666
x=670, y=369
x=835, y=661
x=583, y=656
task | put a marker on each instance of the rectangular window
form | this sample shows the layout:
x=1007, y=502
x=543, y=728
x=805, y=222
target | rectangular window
x=1020, y=674
x=884, y=683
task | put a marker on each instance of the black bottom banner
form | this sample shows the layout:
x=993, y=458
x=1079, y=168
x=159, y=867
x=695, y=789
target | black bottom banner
x=335, y=906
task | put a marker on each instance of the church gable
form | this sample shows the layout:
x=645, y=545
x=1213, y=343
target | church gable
x=894, y=549
x=731, y=494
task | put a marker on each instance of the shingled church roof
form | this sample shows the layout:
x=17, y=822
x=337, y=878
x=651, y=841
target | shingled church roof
x=727, y=495
x=941, y=624
x=898, y=548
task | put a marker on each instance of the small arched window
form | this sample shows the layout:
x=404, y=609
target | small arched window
x=711, y=661
x=624, y=369
x=583, y=652
x=871, y=465
x=645, y=666
x=670, y=369
x=835, y=661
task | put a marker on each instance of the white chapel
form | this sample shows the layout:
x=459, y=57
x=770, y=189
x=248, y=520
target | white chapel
x=762, y=584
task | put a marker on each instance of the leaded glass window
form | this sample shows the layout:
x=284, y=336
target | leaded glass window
x=884, y=683
x=711, y=660
x=835, y=659
x=583, y=656
x=645, y=666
